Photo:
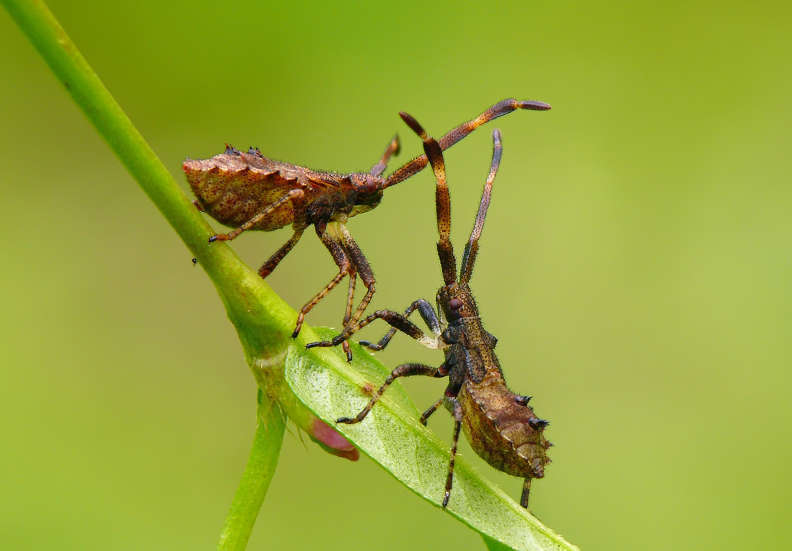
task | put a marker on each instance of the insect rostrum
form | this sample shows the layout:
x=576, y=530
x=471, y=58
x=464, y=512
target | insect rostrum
x=498, y=423
x=248, y=191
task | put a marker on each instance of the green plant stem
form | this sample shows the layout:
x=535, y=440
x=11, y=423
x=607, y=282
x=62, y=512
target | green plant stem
x=256, y=478
x=262, y=319
x=69, y=66
x=90, y=94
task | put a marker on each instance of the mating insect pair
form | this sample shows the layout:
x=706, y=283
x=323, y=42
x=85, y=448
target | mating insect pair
x=248, y=191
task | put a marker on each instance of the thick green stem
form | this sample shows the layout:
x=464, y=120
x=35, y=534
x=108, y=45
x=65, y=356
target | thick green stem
x=256, y=478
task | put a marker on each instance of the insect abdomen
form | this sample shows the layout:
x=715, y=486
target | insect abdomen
x=506, y=434
x=233, y=187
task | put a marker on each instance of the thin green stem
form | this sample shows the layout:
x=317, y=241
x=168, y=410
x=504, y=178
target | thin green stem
x=90, y=94
x=262, y=319
x=71, y=68
x=256, y=478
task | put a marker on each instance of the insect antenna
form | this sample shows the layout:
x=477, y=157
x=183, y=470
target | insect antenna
x=442, y=199
x=503, y=107
x=471, y=249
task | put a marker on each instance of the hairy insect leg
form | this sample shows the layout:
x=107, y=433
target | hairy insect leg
x=361, y=266
x=427, y=313
x=460, y=132
x=404, y=370
x=392, y=149
x=457, y=426
x=395, y=319
x=348, y=313
x=344, y=268
x=525, y=493
x=273, y=261
x=291, y=195
x=430, y=410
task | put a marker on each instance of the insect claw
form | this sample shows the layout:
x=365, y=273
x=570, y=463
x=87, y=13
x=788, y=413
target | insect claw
x=347, y=420
x=231, y=150
x=213, y=238
x=548, y=444
x=446, y=497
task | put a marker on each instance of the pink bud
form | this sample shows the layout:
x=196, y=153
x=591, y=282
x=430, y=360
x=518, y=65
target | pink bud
x=332, y=441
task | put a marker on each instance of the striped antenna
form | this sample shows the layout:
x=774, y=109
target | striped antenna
x=471, y=249
x=503, y=107
x=442, y=199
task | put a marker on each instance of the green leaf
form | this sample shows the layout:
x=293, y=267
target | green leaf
x=392, y=435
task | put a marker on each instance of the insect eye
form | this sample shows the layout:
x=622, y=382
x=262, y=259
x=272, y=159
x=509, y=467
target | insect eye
x=455, y=304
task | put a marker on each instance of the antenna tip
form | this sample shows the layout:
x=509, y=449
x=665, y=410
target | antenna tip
x=413, y=124
x=534, y=105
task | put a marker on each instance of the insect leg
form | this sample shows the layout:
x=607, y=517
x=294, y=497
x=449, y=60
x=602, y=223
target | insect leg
x=395, y=319
x=362, y=267
x=427, y=313
x=498, y=110
x=290, y=196
x=525, y=493
x=457, y=426
x=350, y=299
x=425, y=415
x=392, y=149
x=273, y=261
x=344, y=268
x=404, y=370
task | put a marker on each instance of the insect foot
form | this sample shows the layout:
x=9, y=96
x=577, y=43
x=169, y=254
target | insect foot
x=248, y=191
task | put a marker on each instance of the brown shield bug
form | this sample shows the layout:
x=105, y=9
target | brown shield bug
x=499, y=424
x=248, y=191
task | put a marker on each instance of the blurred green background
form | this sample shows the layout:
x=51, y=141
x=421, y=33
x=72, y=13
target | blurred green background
x=635, y=265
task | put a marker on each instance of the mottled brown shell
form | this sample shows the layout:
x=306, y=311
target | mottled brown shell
x=505, y=433
x=233, y=187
